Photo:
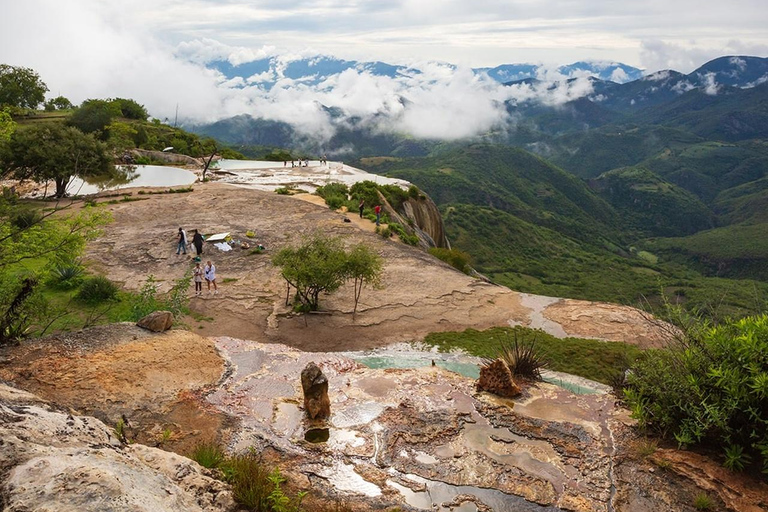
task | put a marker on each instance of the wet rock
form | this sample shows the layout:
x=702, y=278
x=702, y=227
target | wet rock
x=496, y=378
x=315, y=386
x=50, y=460
x=157, y=321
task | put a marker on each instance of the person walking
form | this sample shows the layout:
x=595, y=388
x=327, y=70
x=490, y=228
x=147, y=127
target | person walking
x=377, y=211
x=361, y=207
x=210, y=276
x=197, y=241
x=182, y=245
x=197, y=275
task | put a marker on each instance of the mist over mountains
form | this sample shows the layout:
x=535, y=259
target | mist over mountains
x=373, y=108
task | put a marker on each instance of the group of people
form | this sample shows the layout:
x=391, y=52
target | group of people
x=207, y=272
x=376, y=210
x=183, y=242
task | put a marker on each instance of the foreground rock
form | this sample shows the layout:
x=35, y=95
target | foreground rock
x=157, y=321
x=54, y=461
x=315, y=388
x=496, y=378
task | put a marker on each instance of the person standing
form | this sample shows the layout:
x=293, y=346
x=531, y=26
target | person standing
x=182, y=245
x=361, y=207
x=210, y=276
x=197, y=241
x=197, y=275
x=377, y=210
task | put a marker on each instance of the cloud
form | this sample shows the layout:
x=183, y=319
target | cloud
x=657, y=54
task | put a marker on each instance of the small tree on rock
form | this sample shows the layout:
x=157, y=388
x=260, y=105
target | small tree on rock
x=363, y=267
x=318, y=265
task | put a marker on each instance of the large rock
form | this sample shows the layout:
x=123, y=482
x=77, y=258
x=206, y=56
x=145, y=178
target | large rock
x=496, y=378
x=157, y=321
x=53, y=461
x=315, y=386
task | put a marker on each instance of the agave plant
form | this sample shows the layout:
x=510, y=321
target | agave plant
x=522, y=357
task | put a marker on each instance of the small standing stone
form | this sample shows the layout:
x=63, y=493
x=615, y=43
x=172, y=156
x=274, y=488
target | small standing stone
x=496, y=378
x=315, y=386
x=157, y=321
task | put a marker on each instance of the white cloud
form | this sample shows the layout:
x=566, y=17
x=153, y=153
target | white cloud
x=710, y=85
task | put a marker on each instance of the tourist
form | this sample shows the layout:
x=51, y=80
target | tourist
x=210, y=276
x=197, y=241
x=198, y=278
x=182, y=245
x=377, y=210
x=361, y=206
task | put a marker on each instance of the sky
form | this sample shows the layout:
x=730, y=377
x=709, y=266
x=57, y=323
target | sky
x=141, y=48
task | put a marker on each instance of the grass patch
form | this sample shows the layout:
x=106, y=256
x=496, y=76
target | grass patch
x=229, y=280
x=597, y=360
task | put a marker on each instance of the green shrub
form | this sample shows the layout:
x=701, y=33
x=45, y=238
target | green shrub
x=333, y=189
x=386, y=232
x=26, y=218
x=283, y=191
x=97, y=289
x=703, y=502
x=522, y=357
x=208, y=454
x=454, y=257
x=710, y=388
x=66, y=276
x=335, y=202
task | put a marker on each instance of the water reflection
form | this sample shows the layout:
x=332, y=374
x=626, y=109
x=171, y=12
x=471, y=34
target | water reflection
x=133, y=176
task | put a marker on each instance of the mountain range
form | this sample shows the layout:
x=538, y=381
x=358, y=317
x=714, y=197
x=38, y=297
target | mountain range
x=266, y=72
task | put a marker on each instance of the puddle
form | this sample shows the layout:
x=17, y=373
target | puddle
x=437, y=496
x=143, y=176
x=317, y=435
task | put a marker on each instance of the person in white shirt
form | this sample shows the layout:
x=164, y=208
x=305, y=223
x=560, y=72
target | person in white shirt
x=210, y=276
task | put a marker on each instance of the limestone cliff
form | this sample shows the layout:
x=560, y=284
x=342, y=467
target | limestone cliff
x=421, y=217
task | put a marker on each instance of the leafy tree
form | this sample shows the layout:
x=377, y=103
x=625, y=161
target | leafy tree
x=51, y=238
x=7, y=125
x=58, y=103
x=318, y=265
x=93, y=116
x=122, y=136
x=53, y=152
x=363, y=267
x=20, y=87
x=130, y=109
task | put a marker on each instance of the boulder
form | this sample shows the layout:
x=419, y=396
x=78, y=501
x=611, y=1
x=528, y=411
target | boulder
x=315, y=386
x=54, y=461
x=496, y=378
x=157, y=321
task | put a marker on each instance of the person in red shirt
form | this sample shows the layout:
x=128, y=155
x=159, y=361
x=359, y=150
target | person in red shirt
x=377, y=210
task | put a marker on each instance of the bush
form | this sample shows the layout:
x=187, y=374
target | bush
x=66, y=276
x=710, y=388
x=386, y=232
x=97, y=289
x=333, y=189
x=454, y=257
x=208, y=454
x=24, y=219
x=522, y=357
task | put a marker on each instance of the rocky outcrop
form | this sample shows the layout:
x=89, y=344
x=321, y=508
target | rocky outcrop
x=315, y=386
x=54, y=461
x=427, y=220
x=496, y=378
x=157, y=321
x=171, y=158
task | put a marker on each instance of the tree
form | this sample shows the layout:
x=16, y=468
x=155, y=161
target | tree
x=49, y=238
x=317, y=265
x=58, y=103
x=130, y=109
x=7, y=125
x=20, y=87
x=93, y=116
x=53, y=152
x=363, y=267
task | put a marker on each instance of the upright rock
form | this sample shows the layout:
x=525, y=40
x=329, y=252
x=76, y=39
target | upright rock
x=157, y=321
x=496, y=378
x=315, y=386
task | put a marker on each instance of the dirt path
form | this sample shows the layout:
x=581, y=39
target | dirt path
x=420, y=295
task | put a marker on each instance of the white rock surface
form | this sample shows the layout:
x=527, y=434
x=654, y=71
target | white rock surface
x=52, y=461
